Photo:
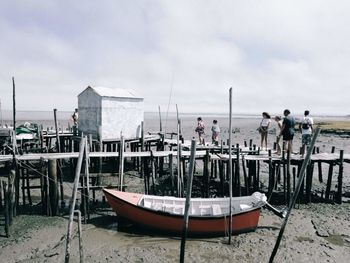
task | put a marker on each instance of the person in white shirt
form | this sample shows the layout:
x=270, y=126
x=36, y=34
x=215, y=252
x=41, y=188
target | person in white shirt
x=264, y=128
x=306, y=129
x=278, y=120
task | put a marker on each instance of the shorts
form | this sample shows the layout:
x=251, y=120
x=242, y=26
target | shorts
x=288, y=137
x=306, y=139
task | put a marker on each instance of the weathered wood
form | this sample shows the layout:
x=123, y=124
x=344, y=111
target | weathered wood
x=205, y=181
x=171, y=172
x=10, y=190
x=238, y=173
x=53, y=186
x=271, y=175
x=7, y=211
x=329, y=180
x=340, y=177
x=288, y=190
x=73, y=198
x=121, y=163
x=188, y=200
x=245, y=176
x=230, y=166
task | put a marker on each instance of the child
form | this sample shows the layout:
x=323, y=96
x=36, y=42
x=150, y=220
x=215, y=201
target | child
x=200, y=130
x=215, y=133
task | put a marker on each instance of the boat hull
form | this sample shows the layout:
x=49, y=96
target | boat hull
x=126, y=207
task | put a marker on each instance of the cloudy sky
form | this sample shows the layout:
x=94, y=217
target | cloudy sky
x=274, y=54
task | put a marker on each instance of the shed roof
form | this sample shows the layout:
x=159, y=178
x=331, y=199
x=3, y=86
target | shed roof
x=115, y=92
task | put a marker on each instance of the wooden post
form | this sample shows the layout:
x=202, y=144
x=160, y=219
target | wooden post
x=206, y=174
x=10, y=190
x=87, y=176
x=271, y=175
x=160, y=120
x=6, y=212
x=288, y=178
x=1, y=196
x=329, y=180
x=53, y=189
x=319, y=164
x=238, y=173
x=121, y=163
x=171, y=171
x=188, y=201
x=245, y=175
x=14, y=104
x=230, y=166
x=340, y=177
x=58, y=145
x=73, y=198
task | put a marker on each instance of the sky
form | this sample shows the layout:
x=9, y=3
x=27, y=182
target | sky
x=274, y=54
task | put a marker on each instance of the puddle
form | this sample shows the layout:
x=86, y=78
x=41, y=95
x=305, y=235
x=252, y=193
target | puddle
x=304, y=239
x=338, y=240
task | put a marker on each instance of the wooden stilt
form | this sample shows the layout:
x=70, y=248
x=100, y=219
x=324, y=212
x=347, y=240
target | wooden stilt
x=340, y=177
x=73, y=198
x=188, y=201
x=53, y=189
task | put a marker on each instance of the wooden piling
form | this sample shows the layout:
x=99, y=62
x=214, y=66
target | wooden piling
x=53, y=186
x=188, y=201
x=340, y=177
x=329, y=180
x=121, y=163
x=7, y=210
x=73, y=198
x=230, y=166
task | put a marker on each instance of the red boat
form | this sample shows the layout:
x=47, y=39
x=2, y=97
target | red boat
x=207, y=216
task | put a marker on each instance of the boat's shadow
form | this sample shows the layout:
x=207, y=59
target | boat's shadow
x=128, y=229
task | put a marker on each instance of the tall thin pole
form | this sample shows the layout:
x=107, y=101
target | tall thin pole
x=14, y=103
x=296, y=193
x=230, y=166
x=179, y=179
x=160, y=119
x=188, y=200
x=74, y=197
x=0, y=114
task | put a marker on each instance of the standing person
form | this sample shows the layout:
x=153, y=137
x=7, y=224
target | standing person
x=75, y=117
x=306, y=129
x=287, y=130
x=215, y=133
x=264, y=128
x=200, y=130
x=278, y=119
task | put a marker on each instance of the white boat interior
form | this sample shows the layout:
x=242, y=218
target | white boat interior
x=203, y=206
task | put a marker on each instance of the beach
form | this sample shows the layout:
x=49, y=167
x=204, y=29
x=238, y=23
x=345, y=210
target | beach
x=316, y=232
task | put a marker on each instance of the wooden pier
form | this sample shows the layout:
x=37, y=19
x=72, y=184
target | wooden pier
x=153, y=158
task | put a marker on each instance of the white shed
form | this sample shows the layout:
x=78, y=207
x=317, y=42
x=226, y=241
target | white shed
x=110, y=112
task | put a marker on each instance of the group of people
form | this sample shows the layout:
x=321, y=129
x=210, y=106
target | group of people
x=287, y=130
x=215, y=129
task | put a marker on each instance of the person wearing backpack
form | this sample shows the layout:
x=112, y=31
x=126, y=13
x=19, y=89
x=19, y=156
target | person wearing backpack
x=306, y=129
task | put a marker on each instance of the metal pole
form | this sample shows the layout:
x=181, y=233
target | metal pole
x=230, y=167
x=188, y=200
